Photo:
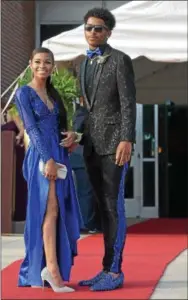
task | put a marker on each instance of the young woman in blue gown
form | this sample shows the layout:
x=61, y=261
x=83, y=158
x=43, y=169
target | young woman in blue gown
x=53, y=218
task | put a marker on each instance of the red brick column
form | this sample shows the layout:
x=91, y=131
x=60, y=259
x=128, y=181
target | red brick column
x=17, y=38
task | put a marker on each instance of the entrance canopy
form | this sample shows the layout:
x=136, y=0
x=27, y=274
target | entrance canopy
x=154, y=35
x=154, y=29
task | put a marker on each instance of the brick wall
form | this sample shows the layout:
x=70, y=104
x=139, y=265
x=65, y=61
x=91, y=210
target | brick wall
x=17, y=37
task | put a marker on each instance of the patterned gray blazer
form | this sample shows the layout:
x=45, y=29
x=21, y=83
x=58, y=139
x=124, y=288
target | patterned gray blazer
x=112, y=107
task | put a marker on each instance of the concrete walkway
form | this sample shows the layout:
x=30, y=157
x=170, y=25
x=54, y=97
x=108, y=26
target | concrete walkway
x=173, y=284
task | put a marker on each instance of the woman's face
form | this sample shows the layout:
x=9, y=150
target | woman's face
x=42, y=65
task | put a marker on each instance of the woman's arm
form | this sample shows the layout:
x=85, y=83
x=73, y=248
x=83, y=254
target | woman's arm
x=25, y=110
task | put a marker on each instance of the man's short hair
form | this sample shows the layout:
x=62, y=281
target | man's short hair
x=101, y=13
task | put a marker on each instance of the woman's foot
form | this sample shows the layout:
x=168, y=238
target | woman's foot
x=55, y=282
x=54, y=272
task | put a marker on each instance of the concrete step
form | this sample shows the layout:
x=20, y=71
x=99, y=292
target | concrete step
x=18, y=227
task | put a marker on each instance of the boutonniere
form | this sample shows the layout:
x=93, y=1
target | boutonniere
x=102, y=59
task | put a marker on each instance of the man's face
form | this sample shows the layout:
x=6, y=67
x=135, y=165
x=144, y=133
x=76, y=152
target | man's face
x=96, y=32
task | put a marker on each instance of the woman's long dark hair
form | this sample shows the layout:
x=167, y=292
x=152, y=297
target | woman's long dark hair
x=53, y=93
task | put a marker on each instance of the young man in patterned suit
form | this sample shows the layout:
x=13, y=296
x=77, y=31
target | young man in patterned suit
x=107, y=85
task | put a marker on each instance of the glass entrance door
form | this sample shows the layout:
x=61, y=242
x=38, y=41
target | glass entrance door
x=141, y=186
x=149, y=162
x=133, y=182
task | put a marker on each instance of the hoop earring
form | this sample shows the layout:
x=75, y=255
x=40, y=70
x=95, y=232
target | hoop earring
x=56, y=70
x=32, y=75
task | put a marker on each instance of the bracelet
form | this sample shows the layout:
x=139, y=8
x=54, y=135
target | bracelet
x=78, y=137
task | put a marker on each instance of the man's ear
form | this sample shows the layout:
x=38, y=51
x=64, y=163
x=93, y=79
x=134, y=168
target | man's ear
x=109, y=34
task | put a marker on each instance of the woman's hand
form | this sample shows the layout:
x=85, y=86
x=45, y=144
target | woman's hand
x=69, y=140
x=19, y=139
x=50, y=170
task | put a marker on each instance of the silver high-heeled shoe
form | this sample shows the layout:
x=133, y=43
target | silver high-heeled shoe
x=46, y=276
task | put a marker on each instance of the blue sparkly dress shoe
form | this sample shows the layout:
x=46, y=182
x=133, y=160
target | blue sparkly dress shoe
x=93, y=280
x=108, y=283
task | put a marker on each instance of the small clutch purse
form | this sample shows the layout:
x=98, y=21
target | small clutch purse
x=61, y=172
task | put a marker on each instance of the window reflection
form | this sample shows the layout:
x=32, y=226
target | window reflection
x=148, y=131
x=149, y=183
x=129, y=184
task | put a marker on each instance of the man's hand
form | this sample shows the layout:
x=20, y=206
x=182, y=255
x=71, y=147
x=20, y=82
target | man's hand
x=123, y=153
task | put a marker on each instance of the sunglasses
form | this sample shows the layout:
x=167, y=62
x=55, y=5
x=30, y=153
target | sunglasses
x=96, y=28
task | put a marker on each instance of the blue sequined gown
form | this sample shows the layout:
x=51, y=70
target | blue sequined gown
x=42, y=127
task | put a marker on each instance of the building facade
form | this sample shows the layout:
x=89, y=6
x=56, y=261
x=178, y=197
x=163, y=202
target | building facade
x=18, y=38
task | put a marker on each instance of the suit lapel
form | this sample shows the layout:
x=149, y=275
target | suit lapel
x=82, y=77
x=99, y=72
x=96, y=83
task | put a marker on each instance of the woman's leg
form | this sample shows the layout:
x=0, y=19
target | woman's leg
x=49, y=235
